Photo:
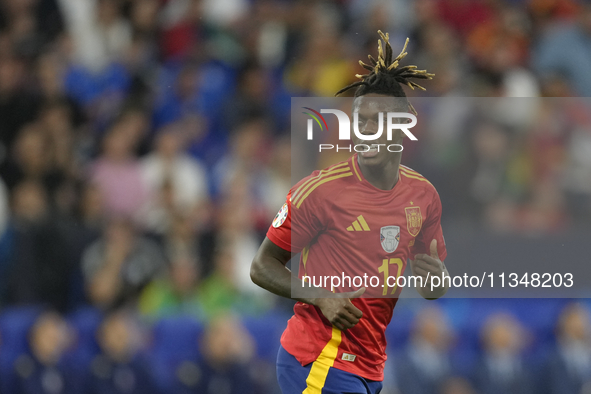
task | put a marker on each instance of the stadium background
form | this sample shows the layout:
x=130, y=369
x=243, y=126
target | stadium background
x=153, y=135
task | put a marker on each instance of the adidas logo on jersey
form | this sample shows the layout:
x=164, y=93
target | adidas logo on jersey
x=359, y=225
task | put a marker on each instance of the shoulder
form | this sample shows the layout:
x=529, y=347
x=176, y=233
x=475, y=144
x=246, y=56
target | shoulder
x=416, y=180
x=322, y=183
x=424, y=193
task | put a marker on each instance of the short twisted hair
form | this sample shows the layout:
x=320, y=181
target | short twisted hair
x=385, y=77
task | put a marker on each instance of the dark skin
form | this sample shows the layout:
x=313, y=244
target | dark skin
x=381, y=170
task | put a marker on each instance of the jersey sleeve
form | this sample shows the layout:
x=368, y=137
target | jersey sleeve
x=295, y=226
x=431, y=230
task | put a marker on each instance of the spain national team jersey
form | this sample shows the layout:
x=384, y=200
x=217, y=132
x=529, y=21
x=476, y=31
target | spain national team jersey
x=343, y=224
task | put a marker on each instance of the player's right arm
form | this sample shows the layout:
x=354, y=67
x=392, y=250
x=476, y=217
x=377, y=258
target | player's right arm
x=269, y=272
x=268, y=269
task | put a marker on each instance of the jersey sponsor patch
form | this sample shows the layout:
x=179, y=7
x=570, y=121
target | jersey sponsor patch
x=389, y=238
x=349, y=357
x=281, y=216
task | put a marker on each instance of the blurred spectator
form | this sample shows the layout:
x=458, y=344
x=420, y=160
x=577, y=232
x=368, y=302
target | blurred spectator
x=426, y=364
x=220, y=293
x=31, y=159
x=577, y=172
x=118, y=173
x=135, y=120
x=120, y=367
x=278, y=178
x=91, y=212
x=491, y=144
x=456, y=385
x=4, y=208
x=144, y=17
x=502, y=367
x=175, y=293
x=184, y=100
x=16, y=104
x=57, y=122
x=183, y=241
x=465, y=15
x=41, y=266
x=99, y=32
x=183, y=30
x=563, y=50
x=393, y=16
x=43, y=370
x=439, y=54
x=501, y=42
x=50, y=70
x=228, y=352
x=177, y=183
x=257, y=96
x=31, y=25
x=569, y=369
x=63, y=151
x=322, y=69
x=85, y=228
x=240, y=174
x=236, y=234
x=118, y=265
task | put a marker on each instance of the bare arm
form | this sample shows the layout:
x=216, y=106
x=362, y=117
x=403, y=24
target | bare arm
x=269, y=272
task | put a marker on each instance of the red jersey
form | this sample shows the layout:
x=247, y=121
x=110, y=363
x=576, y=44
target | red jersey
x=337, y=218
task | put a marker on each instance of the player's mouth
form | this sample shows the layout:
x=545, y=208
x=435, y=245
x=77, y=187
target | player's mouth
x=371, y=152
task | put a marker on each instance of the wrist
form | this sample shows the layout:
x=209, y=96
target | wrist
x=316, y=301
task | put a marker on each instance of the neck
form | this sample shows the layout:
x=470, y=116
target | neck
x=383, y=177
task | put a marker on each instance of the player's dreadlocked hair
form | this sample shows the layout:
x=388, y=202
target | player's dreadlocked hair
x=384, y=76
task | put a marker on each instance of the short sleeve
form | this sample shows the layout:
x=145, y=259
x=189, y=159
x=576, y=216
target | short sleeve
x=431, y=230
x=294, y=227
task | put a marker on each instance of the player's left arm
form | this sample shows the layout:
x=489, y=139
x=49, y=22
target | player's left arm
x=429, y=253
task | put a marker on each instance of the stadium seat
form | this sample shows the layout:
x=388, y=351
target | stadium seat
x=174, y=340
x=398, y=331
x=85, y=323
x=266, y=332
x=15, y=324
x=14, y=327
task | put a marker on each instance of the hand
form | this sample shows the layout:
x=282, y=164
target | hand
x=340, y=311
x=425, y=265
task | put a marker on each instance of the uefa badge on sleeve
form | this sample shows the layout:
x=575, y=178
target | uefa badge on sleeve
x=281, y=216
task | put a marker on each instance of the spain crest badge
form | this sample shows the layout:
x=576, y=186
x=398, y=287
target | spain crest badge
x=414, y=220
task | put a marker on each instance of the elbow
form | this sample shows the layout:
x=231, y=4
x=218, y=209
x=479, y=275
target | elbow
x=255, y=271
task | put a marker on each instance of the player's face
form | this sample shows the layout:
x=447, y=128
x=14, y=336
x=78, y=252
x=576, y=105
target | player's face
x=368, y=108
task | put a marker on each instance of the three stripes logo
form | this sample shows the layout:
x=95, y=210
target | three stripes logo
x=359, y=225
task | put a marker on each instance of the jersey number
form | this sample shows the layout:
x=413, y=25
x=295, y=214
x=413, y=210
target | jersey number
x=385, y=268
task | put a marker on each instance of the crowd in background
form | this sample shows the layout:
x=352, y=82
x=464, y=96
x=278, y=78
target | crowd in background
x=145, y=149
